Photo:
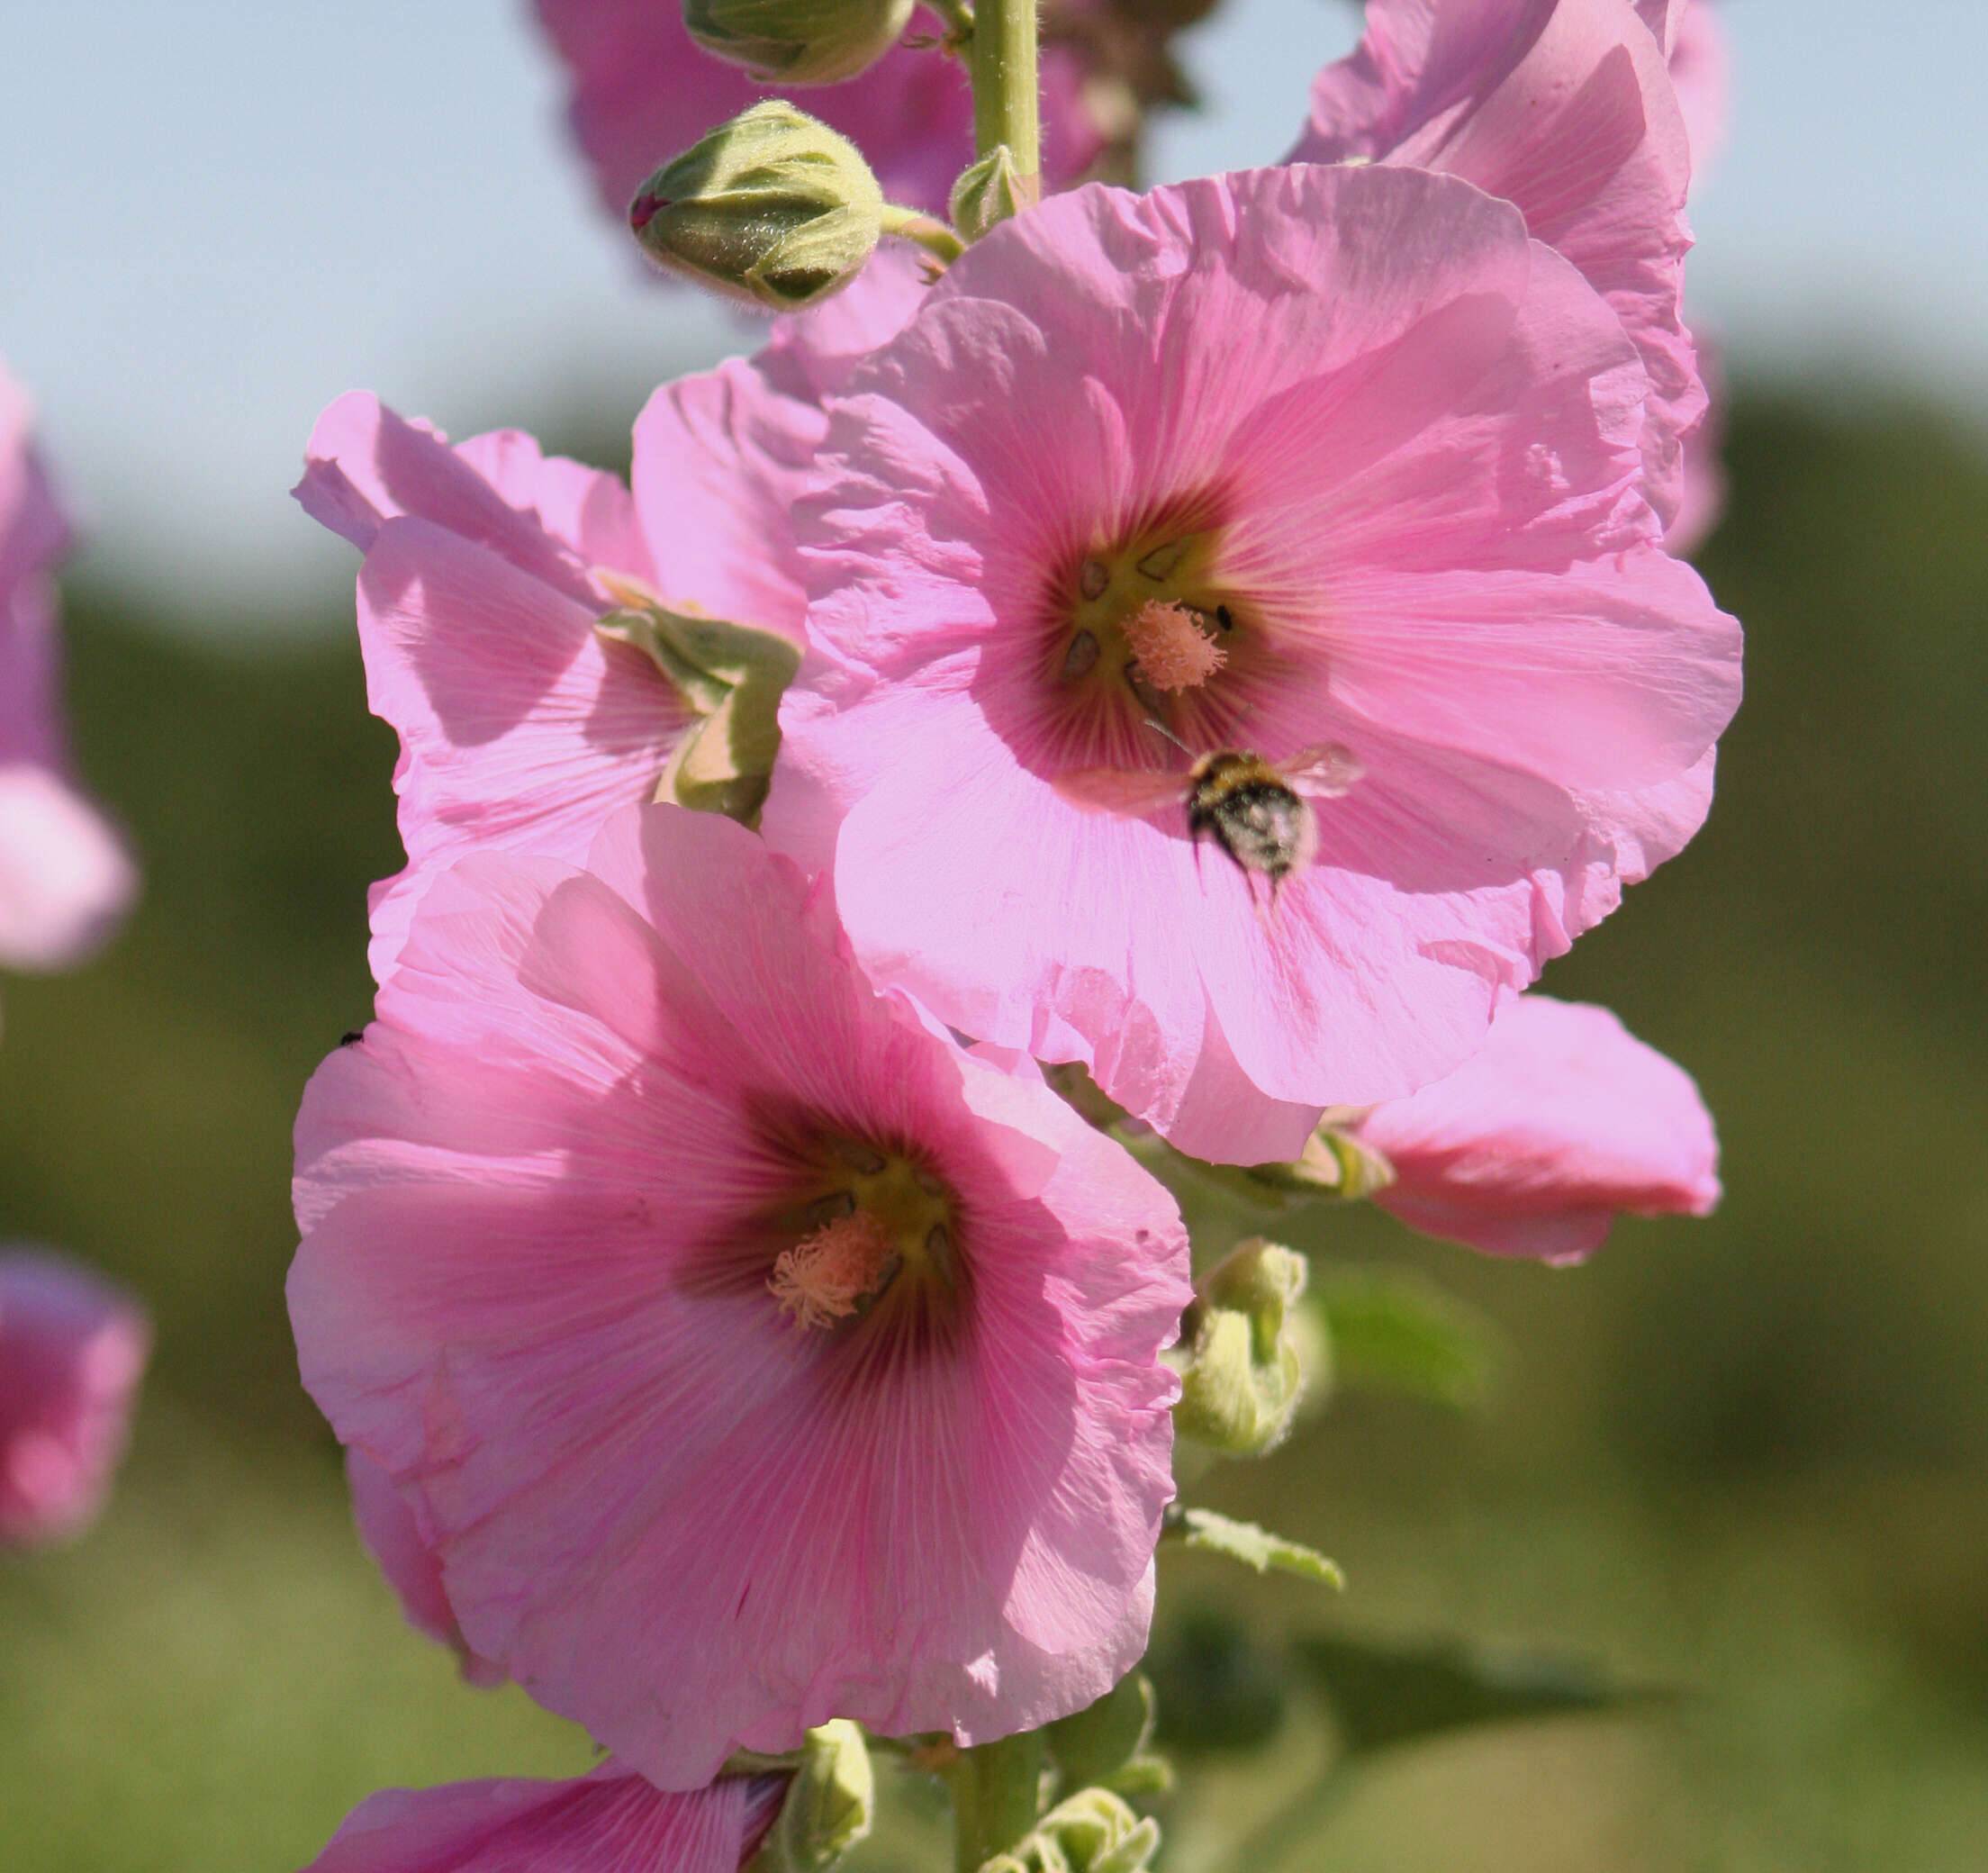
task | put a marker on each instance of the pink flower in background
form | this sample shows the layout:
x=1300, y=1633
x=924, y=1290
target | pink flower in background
x=393, y=1539
x=65, y=880
x=1565, y=108
x=747, y=1353
x=72, y=1351
x=609, y=1821
x=520, y=728
x=1402, y=523
x=1701, y=67
x=643, y=92
x=1562, y=1121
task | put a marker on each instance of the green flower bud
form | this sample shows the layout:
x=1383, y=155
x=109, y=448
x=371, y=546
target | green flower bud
x=1333, y=1163
x=829, y=1808
x=1243, y=1373
x=771, y=208
x=988, y=192
x=799, y=41
x=1093, y=1746
x=1094, y=1831
x=733, y=677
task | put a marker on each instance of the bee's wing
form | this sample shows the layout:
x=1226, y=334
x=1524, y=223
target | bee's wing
x=1325, y=770
x=1113, y=790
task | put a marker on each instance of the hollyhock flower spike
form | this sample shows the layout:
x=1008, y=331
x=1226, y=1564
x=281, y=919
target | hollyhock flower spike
x=1564, y=107
x=72, y=1351
x=1393, y=543
x=747, y=1353
x=65, y=879
x=609, y=1821
x=642, y=91
x=1561, y=1122
x=509, y=607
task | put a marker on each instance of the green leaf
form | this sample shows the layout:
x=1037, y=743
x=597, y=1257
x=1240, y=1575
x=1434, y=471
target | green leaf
x=1393, y=1329
x=1254, y=1547
x=1395, y=1693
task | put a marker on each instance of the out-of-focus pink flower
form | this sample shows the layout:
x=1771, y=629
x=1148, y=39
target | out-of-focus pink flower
x=1565, y=108
x=1407, y=512
x=609, y=1821
x=522, y=729
x=747, y=1353
x=394, y=1538
x=1693, y=40
x=644, y=91
x=1559, y=1123
x=65, y=880
x=72, y=1351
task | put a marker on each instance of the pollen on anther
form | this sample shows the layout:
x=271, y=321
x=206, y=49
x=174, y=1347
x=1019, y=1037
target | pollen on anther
x=826, y=1275
x=1172, y=651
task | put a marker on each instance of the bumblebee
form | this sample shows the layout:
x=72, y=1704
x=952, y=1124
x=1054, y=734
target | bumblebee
x=1256, y=810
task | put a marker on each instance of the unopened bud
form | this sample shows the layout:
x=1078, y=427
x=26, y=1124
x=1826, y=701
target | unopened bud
x=1093, y=1832
x=799, y=41
x=1244, y=1372
x=771, y=208
x=1333, y=1163
x=829, y=1809
x=988, y=192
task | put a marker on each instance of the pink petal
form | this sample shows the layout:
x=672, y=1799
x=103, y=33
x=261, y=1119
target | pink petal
x=1532, y=1147
x=609, y=1821
x=66, y=880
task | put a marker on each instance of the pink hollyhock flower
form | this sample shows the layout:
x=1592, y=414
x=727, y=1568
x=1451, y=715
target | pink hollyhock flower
x=489, y=565
x=747, y=1353
x=65, y=880
x=609, y=1821
x=1562, y=1120
x=643, y=92
x=72, y=1351
x=1692, y=38
x=1565, y=108
x=393, y=1539
x=1402, y=523
x=1705, y=503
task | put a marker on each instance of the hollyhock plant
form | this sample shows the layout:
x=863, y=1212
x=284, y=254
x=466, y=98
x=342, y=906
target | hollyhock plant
x=609, y=1821
x=643, y=90
x=1334, y=465
x=1559, y=1123
x=72, y=1351
x=65, y=879
x=747, y=1353
x=1565, y=108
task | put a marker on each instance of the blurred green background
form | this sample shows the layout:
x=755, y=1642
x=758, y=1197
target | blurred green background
x=1743, y=1459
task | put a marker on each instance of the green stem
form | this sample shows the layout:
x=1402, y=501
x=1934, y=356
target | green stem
x=930, y=233
x=1006, y=104
x=996, y=1789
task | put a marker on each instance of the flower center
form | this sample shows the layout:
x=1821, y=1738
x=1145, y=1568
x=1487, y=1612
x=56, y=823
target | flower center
x=884, y=1224
x=1145, y=629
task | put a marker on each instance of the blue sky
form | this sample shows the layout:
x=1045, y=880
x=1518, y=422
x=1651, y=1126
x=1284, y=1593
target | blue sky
x=219, y=214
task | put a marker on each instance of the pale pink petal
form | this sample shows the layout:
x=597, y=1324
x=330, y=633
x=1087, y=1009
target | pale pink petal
x=1565, y=108
x=610, y=1822
x=72, y=1351
x=663, y=1508
x=1562, y=1121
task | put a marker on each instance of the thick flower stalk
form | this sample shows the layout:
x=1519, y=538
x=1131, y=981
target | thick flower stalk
x=746, y=1354
x=65, y=879
x=1073, y=538
x=72, y=1351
